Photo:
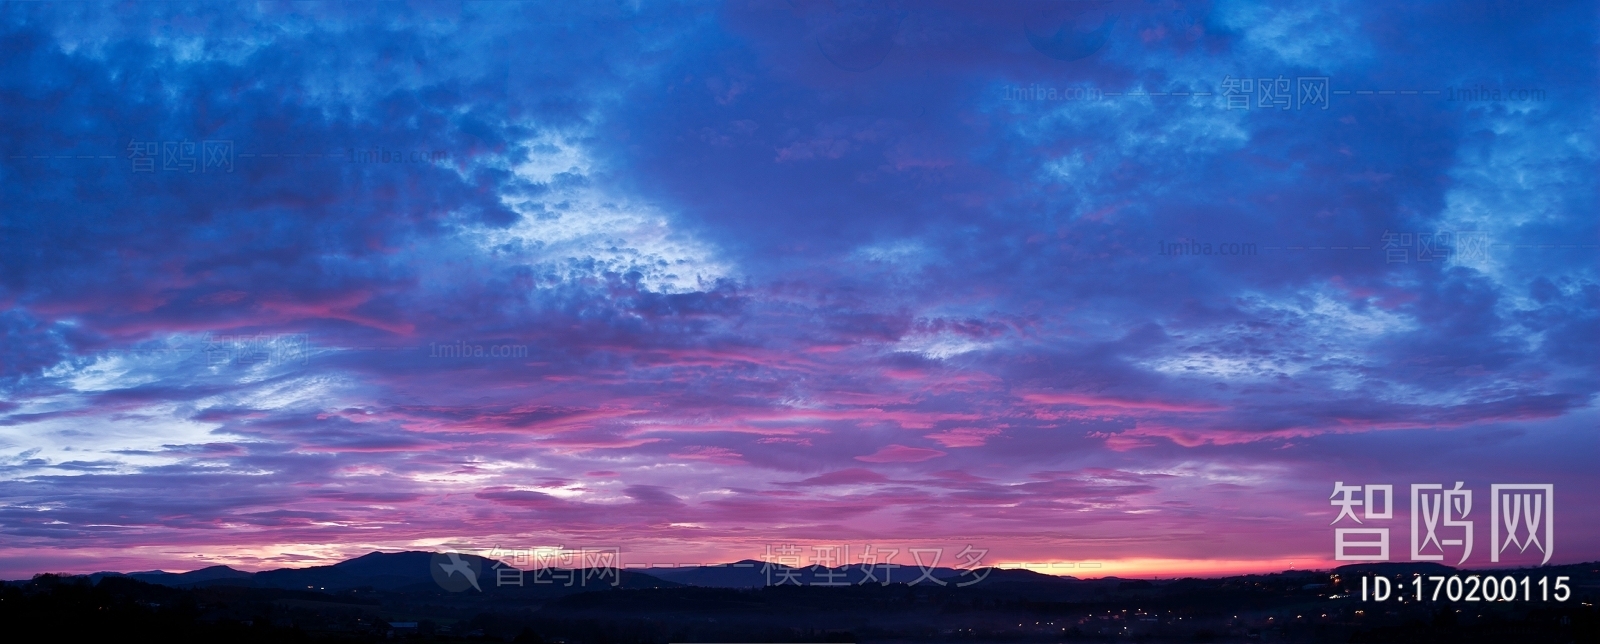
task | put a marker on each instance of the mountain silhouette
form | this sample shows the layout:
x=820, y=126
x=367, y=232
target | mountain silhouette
x=411, y=571
x=203, y=576
x=750, y=573
x=397, y=571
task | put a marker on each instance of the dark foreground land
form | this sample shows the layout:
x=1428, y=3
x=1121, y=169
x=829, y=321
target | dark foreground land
x=1008, y=606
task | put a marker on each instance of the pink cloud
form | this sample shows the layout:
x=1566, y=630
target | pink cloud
x=964, y=436
x=803, y=442
x=521, y=498
x=1101, y=402
x=719, y=455
x=845, y=477
x=901, y=454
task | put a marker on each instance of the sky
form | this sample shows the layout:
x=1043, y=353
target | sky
x=1134, y=283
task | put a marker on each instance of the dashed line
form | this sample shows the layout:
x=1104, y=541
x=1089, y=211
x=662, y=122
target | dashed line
x=59, y=156
x=1157, y=94
x=1513, y=246
x=1316, y=248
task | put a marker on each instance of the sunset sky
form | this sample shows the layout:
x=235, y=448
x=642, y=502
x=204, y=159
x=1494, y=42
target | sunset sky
x=789, y=272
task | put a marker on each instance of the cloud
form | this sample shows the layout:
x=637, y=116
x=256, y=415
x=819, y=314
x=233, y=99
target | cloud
x=852, y=476
x=901, y=454
x=964, y=436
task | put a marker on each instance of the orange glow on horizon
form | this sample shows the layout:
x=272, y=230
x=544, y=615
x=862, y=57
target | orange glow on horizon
x=1143, y=567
